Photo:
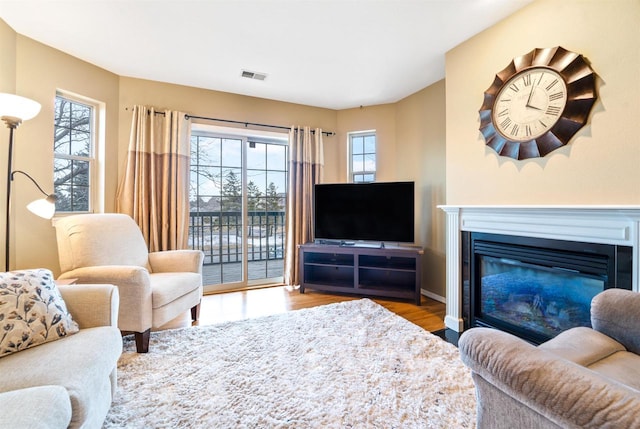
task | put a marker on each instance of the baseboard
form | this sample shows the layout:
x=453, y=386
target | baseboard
x=433, y=296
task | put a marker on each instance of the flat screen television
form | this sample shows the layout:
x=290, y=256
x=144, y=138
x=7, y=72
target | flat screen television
x=382, y=211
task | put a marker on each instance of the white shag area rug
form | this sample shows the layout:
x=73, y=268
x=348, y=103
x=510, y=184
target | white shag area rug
x=347, y=365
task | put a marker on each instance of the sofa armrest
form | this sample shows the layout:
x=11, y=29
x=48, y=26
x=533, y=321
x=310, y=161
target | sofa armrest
x=52, y=408
x=616, y=313
x=92, y=305
x=565, y=393
x=175, y=261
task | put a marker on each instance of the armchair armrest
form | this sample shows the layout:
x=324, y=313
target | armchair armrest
x=616, y=313
x=175, y=261
x=130, y=279
x=133, y=286
x=567, y=394
x=92, y=305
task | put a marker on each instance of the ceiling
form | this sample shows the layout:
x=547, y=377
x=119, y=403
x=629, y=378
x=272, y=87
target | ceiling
x=325, y=53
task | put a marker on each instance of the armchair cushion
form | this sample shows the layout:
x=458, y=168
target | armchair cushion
x=32, y=311
x=167, y=287
x=582, y=345
x=621, y=366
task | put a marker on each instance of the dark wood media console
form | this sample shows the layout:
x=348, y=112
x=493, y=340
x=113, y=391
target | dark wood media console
x=392, y=272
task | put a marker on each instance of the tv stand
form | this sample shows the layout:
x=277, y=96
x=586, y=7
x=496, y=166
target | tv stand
x=391, y=272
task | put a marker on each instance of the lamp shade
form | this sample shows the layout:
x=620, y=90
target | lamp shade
x=44, y=207
x=17, y=107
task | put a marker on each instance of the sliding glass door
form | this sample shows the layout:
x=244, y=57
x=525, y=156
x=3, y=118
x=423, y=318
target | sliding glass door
x=237, y=198
x=266, y=202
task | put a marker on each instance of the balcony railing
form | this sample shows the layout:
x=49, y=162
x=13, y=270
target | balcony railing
x=219, y=235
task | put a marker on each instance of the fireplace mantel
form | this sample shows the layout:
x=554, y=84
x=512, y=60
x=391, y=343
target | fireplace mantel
x=619, y=225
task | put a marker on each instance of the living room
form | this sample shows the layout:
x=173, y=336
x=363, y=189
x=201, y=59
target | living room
x=430, y=137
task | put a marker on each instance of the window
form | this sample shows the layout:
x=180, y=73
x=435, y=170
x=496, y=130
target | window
x=74, y=148
x=362, y=156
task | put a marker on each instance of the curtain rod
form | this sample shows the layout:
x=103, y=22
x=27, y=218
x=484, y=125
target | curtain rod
x=187, y=116
x=326, y=133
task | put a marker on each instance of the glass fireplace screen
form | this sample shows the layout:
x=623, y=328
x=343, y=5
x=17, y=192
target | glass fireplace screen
x=535, y=299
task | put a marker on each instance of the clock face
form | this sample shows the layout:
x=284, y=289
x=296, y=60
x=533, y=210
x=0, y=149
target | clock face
x=537, y=103
x=529, y=104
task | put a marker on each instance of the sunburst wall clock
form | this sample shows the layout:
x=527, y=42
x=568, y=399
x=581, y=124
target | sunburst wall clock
x=537, y=103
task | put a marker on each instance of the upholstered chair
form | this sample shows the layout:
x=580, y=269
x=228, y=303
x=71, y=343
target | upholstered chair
x=154, y=287
x=584, y=378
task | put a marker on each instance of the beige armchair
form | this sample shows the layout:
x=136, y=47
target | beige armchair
x=583, y=378
x=154, y=287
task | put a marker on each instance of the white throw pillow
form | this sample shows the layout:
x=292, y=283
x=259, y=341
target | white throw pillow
x=32, y=311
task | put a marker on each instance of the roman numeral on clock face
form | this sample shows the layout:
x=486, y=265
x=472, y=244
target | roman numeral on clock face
x=553, y=110
x=556, y=96
x=552, y=84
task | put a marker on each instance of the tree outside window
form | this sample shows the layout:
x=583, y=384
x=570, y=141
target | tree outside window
x=73, y=149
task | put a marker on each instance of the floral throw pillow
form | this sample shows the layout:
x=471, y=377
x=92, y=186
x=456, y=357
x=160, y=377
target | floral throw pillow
x=32, y=311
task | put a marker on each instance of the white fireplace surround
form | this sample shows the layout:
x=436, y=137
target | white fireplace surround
x=619, y=225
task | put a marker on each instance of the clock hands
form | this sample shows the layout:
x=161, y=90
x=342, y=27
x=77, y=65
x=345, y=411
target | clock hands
x=533, y=88
x=530, y=95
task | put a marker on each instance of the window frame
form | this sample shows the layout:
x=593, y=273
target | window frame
x=96, y=152
x=246, y=137
x=351, y=173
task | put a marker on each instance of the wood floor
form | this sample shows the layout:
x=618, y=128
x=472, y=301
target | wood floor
x=230, y=306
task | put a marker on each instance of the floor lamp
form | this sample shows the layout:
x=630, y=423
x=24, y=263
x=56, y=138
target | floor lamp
x=13, y=110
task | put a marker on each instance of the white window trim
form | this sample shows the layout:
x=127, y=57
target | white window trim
x=351, y=134
x=97, y=158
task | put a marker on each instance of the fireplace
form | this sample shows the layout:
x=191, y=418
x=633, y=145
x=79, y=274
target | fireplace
x=534, y=287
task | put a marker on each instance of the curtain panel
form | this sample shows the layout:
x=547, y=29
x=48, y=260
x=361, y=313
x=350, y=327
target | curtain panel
x=306, y=163
x=154, y=189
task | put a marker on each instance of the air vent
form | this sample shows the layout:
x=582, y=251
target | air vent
x=253, y=75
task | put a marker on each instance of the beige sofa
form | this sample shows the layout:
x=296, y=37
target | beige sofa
x=583, y=378
x=69, y=382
